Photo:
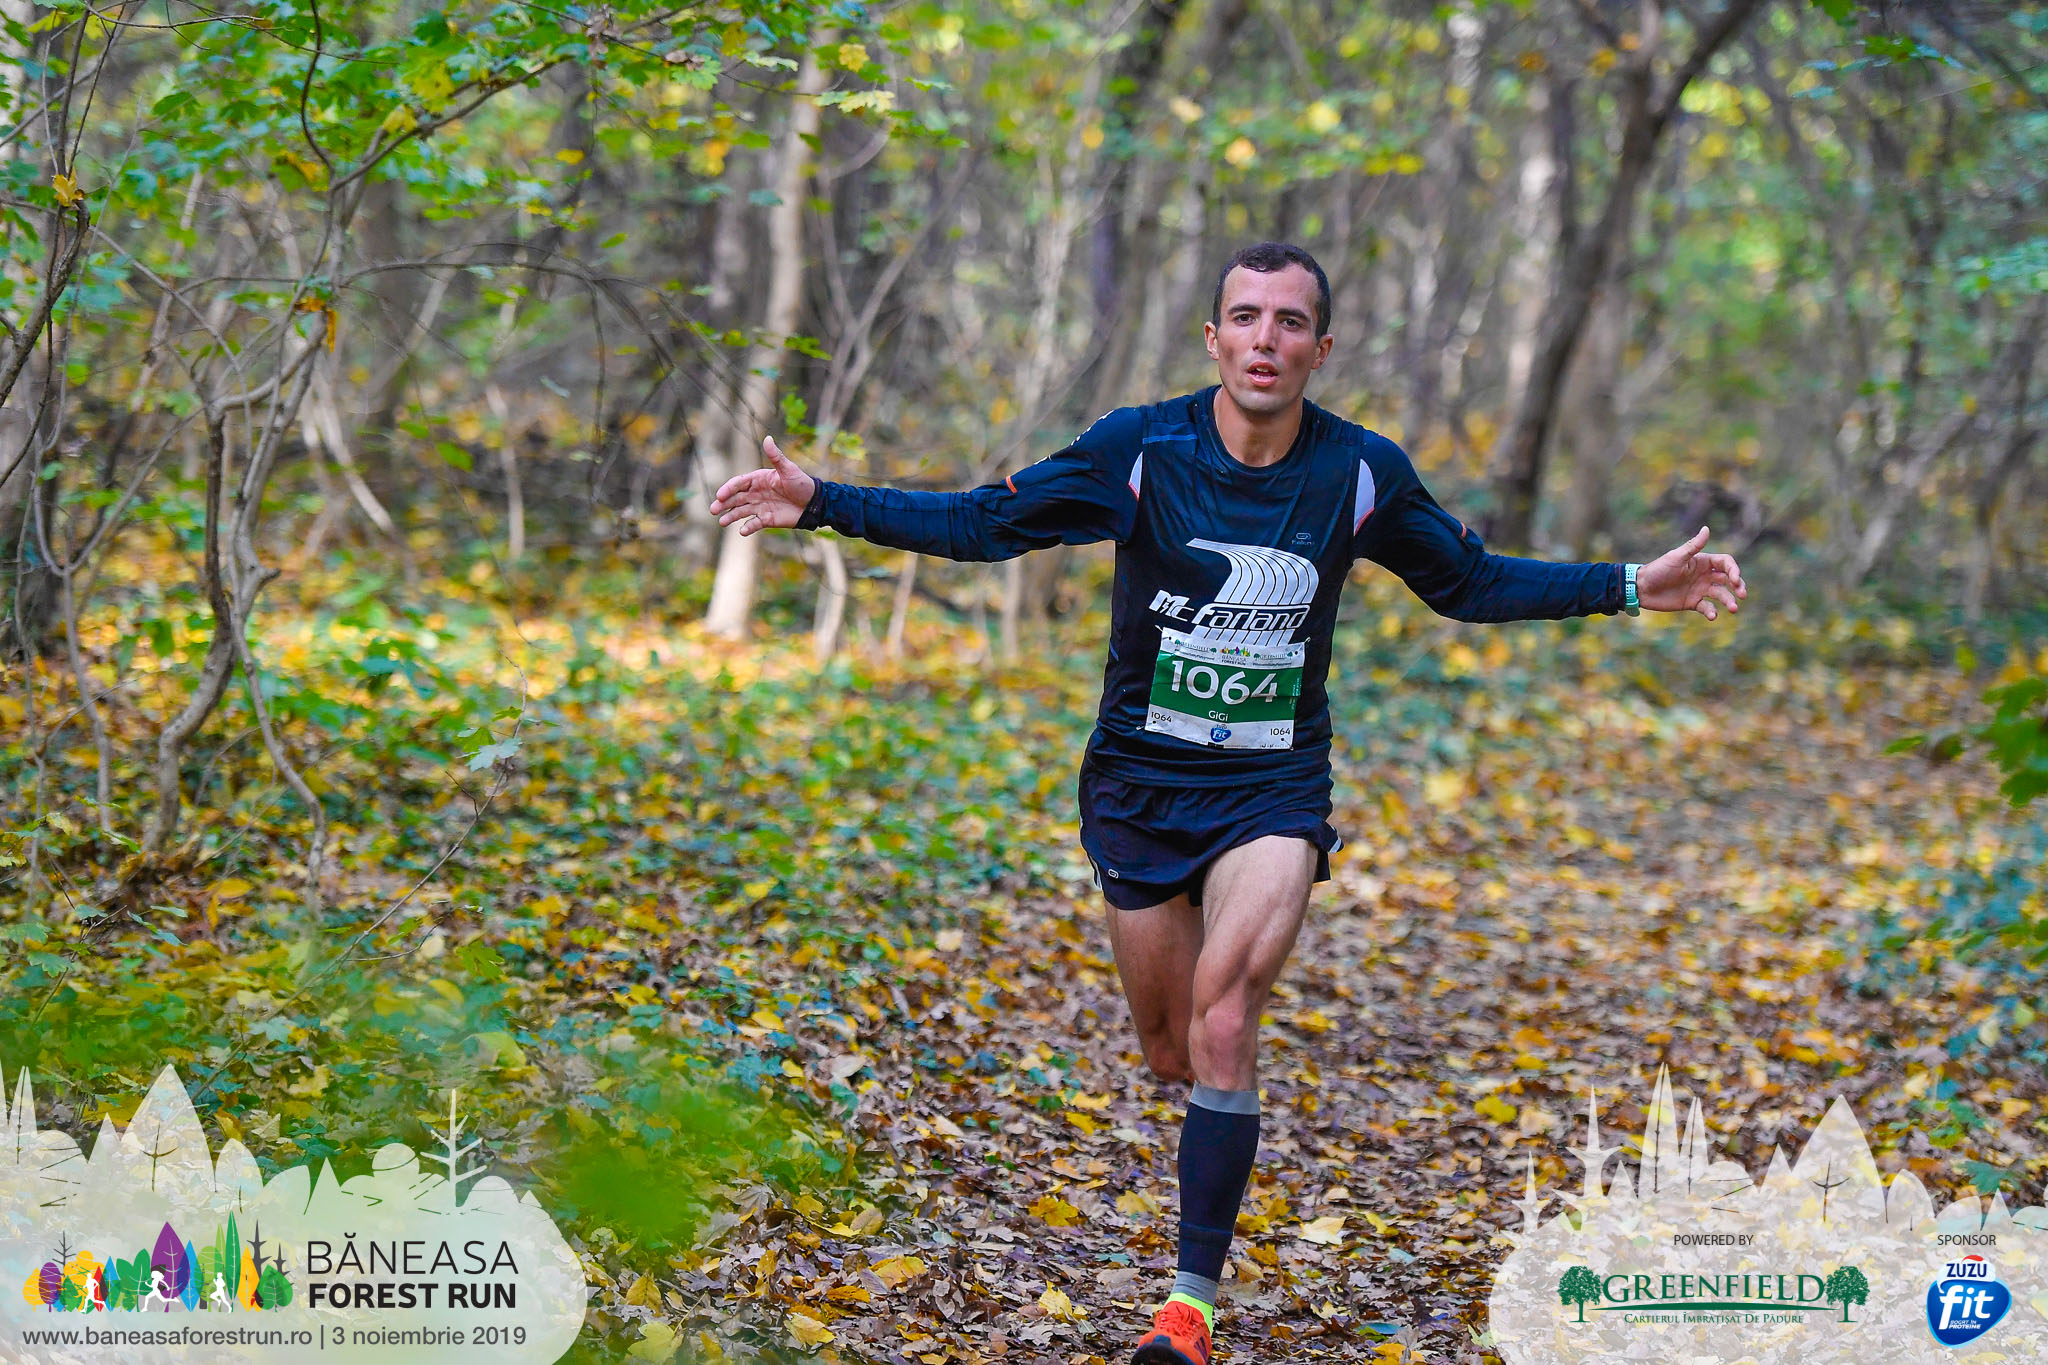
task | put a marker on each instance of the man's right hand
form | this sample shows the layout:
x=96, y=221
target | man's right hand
x=774, y=496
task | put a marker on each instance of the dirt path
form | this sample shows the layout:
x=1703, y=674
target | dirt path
x=1587, y=898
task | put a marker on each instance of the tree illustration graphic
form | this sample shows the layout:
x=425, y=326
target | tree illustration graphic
x=1580, y=1286
x=1847, y=1286
x=452, y=1153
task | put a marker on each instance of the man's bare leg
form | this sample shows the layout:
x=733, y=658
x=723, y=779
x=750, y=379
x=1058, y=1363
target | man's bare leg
x=1252, y=907
x=1156, y=950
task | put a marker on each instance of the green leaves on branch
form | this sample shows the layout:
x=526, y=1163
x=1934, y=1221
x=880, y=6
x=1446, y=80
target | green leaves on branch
x=2017, y=735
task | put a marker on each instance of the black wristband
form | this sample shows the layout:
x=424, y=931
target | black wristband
x=814, y=510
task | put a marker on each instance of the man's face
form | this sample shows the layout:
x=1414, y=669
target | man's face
x=1266, y=345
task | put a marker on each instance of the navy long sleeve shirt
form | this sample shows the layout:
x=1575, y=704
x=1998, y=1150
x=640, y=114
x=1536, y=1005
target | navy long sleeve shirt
x=1227, y=576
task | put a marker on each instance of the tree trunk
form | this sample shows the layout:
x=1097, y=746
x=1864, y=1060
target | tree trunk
x=1646, y=112
x=732, y=590
x=711, y=440
x=1981, y=586
x=1913, y=466
x=1535, y=224
x=899, y=608
x=1592, y=418
x=831, y=599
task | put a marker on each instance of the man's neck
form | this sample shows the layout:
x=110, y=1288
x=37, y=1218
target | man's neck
x=1252, y=438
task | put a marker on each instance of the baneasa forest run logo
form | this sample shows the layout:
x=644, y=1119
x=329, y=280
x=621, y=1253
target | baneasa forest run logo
x=1679, y=1255
x=152, y=1249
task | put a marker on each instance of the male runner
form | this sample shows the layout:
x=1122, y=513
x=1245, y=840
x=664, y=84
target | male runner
x=1205, y=790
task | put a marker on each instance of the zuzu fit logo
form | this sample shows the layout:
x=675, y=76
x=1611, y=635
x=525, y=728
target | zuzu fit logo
x=205, y=1260
x=1680, y=1255
x=1967, y=1301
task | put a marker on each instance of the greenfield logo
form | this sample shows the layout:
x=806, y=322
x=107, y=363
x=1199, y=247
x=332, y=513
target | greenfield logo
x=1797, y=1292
x=1661, y=1248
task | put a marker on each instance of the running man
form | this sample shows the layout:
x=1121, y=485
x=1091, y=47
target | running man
x=1205, y=789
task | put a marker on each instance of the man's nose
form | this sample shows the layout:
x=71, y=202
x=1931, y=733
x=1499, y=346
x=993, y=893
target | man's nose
x=1266, y=334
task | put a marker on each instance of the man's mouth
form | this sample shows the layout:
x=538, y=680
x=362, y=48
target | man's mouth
x=1262, y=375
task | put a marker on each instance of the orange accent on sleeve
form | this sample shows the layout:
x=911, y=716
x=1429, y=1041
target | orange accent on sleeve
x=1461, y=530
x=1012, y=485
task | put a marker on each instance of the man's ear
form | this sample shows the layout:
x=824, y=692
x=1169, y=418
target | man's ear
x=1323, y=350
x=1209, y=339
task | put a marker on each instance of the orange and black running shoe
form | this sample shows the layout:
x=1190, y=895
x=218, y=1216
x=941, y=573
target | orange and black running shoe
x=1179, y=1336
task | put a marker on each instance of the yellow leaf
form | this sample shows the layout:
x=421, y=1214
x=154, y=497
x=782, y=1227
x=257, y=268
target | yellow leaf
x=949, y=940
x=399, y=122
x=1093, y=1103
x=1086, y=1123
x=1313, y=1021
x=569, y=156
x=1055, y=1211
x=1184, y=109
x=1091, y=136
x=853, y=56
x=657, y=1343
x=313, y=1085
x=896, y=1270
x=1325, y=1231
x=809, y=1206
x=1321, y=117
x=1379, y=1224
x=792, y=1070
x=1057, y=1305
x=1497, y=1109
x=767, y=1019
x=1241, y=152
x=67, y=190
x=808, y=1330
x=645, y=1293
x=863, y=1223
x=849, y=1293
x=1131, y=1203
x=1444, y=789
x=231, y=888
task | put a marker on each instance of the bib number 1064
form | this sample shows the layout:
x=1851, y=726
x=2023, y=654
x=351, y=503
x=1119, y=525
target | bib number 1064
x=1224, y=694
x=1203, y=681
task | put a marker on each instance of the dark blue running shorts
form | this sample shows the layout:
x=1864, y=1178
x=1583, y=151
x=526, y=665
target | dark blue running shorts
x=1150, y=844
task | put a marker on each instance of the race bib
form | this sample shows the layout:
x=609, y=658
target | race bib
x=1229, y=696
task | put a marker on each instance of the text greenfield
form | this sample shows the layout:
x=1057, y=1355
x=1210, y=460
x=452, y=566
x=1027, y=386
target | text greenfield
x=1644, y=1290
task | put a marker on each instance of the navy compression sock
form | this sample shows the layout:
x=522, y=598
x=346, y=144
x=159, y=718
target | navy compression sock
x=1218, y=1143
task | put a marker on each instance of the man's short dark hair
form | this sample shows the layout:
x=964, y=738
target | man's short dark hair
x=1267, y=257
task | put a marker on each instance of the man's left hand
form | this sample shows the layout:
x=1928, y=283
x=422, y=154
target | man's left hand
x=1687, y=580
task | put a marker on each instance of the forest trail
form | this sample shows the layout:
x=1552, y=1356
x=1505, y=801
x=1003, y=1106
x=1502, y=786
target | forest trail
x=1619, y=889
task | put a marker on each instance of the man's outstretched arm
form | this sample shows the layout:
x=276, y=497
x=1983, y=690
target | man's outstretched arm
x=1069, y=498
x=1447, y=565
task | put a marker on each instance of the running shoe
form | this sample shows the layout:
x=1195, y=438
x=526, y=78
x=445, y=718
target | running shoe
x=1179, y=1336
